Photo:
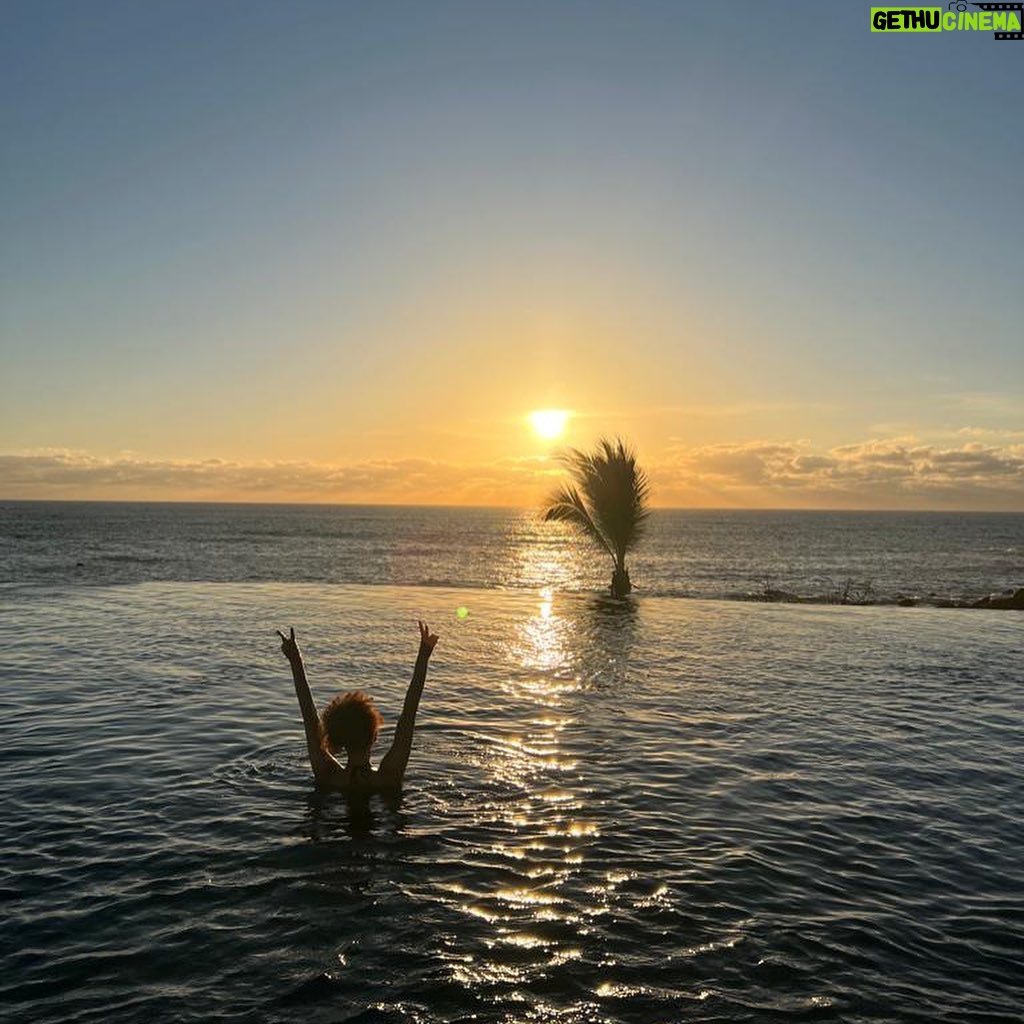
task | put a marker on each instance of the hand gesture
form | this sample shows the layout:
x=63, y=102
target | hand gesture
x=427, y=639
x=289, y=648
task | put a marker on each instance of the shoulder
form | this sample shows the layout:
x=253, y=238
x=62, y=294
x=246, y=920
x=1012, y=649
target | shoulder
x=327, y=770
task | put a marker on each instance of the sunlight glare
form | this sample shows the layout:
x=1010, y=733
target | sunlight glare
x=549, y=424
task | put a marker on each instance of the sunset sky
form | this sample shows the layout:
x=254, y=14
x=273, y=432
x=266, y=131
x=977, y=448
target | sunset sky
x=340, y=252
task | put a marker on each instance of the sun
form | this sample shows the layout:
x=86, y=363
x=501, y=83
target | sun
x=549, y=423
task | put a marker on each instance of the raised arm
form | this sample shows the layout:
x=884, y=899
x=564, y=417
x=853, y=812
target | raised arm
x=310, y=718
x=392, y=768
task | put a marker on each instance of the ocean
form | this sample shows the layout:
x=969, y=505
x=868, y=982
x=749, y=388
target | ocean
x=694, y=805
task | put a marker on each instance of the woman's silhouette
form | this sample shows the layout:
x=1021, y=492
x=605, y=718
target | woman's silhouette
x=351, y=722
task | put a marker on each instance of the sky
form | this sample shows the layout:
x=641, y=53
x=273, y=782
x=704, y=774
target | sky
x=338, y=252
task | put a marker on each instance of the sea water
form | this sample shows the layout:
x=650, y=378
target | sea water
x=871, y=557
x=653, y=810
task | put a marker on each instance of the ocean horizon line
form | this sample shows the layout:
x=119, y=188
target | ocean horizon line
x=235, y=503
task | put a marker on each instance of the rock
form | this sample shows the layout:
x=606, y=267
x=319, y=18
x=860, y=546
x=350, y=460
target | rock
x=1007, y=599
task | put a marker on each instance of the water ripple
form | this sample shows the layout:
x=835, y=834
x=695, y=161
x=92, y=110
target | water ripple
x=699, y=812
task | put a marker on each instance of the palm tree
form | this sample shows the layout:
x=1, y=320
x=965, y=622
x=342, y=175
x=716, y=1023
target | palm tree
x=607, y=500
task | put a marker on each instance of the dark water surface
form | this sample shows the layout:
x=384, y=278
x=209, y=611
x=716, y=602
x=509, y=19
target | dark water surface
x=665, y=811
x=875, y=557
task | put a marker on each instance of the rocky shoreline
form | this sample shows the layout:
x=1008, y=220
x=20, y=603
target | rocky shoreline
x=864, y=596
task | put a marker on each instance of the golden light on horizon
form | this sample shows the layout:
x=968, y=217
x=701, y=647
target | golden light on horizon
x=549, y=424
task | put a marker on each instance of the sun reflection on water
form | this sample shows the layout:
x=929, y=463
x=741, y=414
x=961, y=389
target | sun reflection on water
x=543, y=892
x=542, y=646
x=532, y=911
x=543, y=554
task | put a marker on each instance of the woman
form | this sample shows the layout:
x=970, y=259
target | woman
x=351, y=722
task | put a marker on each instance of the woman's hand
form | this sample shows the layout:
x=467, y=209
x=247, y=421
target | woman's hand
x=427, y=639
x=289, y=648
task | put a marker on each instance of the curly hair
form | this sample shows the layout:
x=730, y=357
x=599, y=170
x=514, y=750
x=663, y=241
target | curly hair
x=351, y=721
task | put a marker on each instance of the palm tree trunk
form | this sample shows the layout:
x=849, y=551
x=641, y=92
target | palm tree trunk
x=621, y=585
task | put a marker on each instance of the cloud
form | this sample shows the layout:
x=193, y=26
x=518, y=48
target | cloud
x=60, y=473
x=899, y=472
x=991, y=434
x=893, y=473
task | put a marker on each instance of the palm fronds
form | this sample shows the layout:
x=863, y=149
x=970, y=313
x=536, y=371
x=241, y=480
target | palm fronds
x=607, y=499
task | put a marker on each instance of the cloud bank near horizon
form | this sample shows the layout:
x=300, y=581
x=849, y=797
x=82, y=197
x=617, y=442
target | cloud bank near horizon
x=891, y=473
x=61, y=473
